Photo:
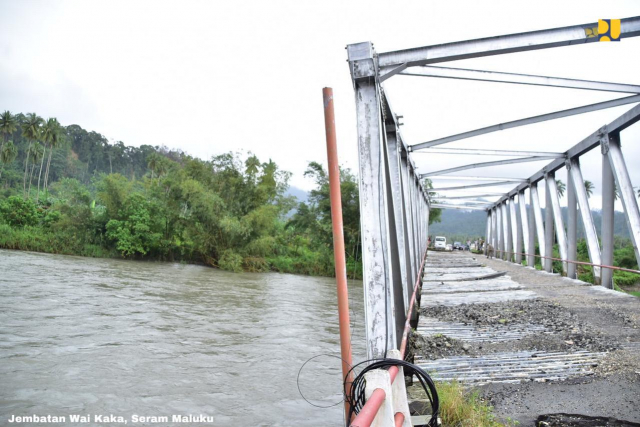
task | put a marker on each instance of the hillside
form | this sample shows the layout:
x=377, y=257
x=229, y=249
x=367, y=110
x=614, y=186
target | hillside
x=463, y=225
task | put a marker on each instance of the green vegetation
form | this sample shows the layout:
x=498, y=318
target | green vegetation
x=462, y=408
x=69, y=191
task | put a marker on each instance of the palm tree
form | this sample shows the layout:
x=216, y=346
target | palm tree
x=8, y=125
x=49, y=129
x=616, y=192
x=31, y=131
x=8, y=154
x=589, y=187
x=561, y=187
x=36, y=152
x=54, y=142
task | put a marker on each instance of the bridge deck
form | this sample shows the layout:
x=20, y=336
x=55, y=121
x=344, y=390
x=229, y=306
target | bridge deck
x=527, y=327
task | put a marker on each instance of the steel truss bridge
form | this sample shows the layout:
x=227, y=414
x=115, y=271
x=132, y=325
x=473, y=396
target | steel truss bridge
x=395, y=201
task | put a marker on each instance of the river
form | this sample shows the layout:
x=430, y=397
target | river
x=112, y=337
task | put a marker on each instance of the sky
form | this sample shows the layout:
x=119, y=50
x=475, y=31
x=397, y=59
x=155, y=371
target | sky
x=209, y=77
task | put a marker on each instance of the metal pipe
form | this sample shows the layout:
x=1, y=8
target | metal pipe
x=525, y=79
x=398, y=419
x=338, y=242
x=530, y=120
x=531, y=246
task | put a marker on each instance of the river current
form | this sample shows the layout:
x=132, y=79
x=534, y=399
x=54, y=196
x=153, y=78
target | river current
x=100, y=337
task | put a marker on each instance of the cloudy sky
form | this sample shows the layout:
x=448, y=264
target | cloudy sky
x=210, y=76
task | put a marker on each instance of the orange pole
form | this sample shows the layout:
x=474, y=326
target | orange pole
x=338, y=242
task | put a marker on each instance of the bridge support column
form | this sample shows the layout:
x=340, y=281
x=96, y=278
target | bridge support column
x=629, y=201
x=572, y=225
x=573, y=166
x=539, y=224
x=552, y=189
x=608, y=204
x=548, y=228
x=514, y=228
x=508, y=238
x=523, y=228
x=531, y=259
x=487, y=235
x=378, y=275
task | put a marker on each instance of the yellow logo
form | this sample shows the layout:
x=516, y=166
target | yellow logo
x=609, y=30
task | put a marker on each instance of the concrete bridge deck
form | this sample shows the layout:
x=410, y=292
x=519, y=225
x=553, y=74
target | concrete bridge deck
x=534, y=342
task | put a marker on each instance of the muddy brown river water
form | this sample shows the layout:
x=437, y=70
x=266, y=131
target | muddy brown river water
x=82, y=336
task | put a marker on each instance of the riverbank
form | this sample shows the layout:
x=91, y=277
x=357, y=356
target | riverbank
x=37, y=239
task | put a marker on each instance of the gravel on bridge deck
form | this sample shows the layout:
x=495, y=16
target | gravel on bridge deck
x=534, y=342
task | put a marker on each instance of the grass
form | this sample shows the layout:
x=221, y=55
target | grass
x=462, y=408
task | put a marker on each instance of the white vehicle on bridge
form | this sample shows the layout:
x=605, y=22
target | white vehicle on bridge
x=441, y=242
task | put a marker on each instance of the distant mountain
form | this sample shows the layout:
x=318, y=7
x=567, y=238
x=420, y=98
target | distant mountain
x=463, y=225
x=300, y=194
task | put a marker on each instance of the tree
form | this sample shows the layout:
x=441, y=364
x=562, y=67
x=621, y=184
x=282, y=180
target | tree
x=31, y=131
x=616, y=192
x=55, y=141
x=18, y=212
x=561, y=187
x=49, y=128
x=8, y=125
x=435, y=214
x=589, y=187
x=8, y=154
x=36, y=152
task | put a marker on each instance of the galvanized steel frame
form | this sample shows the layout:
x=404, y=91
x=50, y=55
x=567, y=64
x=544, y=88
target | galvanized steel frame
x=395, y=203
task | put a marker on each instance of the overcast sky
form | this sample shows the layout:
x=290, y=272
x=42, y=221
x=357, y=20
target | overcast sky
x=209, y=77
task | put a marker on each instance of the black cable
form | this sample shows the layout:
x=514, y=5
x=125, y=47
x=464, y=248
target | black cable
x=356, y=397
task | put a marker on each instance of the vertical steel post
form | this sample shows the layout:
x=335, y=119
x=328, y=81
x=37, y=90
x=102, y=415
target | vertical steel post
x=508, y=238
x=487, y=237
x=608, y=205
x=401, y=284
x=629, y=201
x=338, y=242
x=530, y=246
x=406, y=217
x=572, y=224
x=374, y=222
x=522, y=239
x=591, y=236
x=514, y=227
x=500, y=248
x=548, y=227
x=494, y=231
x=539, y=225
x=561, y=237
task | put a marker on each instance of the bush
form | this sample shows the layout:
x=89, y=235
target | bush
x=18, y=212
x=230, y=261
x=625, y=279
